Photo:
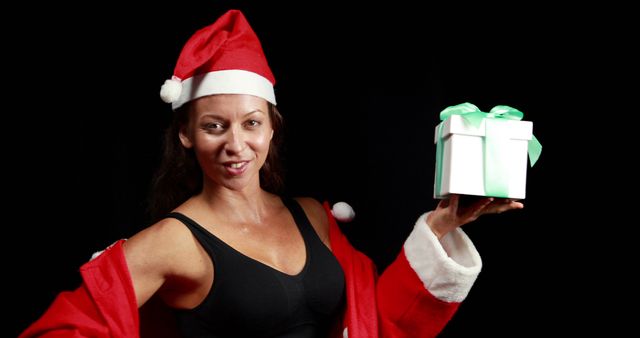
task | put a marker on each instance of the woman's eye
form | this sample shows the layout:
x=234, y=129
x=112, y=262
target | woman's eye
x=213, y=126
x=253, y=123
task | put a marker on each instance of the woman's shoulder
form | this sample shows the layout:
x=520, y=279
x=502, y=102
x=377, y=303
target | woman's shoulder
x=164, y=231
x=317, y=216
x=162, y=243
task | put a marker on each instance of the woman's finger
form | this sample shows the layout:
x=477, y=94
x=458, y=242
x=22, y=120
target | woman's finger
x=474, y=210
x=454, y=201
x=499, y=208
x=480, y=205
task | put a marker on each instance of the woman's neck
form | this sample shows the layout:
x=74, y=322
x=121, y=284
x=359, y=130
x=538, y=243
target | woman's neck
x=250, y=205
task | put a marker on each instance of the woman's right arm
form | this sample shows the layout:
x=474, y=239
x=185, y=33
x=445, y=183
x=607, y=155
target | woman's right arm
x=106, y=304
x=153, y=255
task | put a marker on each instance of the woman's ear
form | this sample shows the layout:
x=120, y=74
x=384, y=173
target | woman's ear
x=184, y=137
x=271, y=137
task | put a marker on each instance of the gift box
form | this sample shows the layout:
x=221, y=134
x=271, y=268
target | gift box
x=483, y=154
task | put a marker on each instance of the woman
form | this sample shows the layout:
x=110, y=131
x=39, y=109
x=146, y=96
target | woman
x=235, y=260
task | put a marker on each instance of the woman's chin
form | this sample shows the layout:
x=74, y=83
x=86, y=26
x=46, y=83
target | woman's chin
x=237, y=183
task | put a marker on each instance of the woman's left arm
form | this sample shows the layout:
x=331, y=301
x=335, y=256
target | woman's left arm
x=421, y=290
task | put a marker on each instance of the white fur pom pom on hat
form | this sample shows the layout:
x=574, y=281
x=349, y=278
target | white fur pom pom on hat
x=171, y=90
x=343, y=212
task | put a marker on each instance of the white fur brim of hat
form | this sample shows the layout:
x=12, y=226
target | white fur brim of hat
x=233, y=81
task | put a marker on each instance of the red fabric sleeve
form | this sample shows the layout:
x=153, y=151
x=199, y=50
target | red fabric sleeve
x=103, y=306
x=406, y=307
x=395, y=305
x=72, y=314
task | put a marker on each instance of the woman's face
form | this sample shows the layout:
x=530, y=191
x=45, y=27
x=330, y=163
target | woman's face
x=230, y=135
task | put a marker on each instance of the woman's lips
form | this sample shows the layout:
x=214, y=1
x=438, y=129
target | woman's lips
x=236, y=168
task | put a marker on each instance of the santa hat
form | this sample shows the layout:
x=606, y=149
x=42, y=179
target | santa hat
x=225, y=57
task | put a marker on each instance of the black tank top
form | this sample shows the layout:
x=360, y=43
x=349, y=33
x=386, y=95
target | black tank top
x=251, y=299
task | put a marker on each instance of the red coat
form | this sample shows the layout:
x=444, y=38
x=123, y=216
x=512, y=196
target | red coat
x=397, y=304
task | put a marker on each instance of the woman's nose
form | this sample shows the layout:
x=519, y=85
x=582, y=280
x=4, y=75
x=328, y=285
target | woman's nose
x=235, y=141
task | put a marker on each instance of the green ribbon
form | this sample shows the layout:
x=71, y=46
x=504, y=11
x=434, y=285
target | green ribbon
x=494, y=153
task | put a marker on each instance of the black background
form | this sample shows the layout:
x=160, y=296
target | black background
x=360, y=90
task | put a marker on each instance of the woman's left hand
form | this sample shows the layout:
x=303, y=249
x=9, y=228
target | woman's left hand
x=450, y=213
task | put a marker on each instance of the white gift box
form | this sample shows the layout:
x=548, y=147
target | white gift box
x=469, y=160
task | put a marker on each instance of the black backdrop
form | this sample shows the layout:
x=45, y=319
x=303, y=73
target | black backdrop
x=360, y=90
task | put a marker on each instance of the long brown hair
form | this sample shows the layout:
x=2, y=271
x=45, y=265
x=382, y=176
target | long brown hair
x=179, y=175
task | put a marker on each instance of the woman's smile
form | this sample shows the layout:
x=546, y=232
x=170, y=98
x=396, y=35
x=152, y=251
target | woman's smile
x=235, y=168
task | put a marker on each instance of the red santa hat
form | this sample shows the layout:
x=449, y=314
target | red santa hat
x=225, y=57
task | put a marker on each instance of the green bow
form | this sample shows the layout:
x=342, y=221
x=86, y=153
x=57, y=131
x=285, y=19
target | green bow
x=474, y=116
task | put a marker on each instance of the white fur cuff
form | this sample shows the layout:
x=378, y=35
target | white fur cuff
x=447, y=268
